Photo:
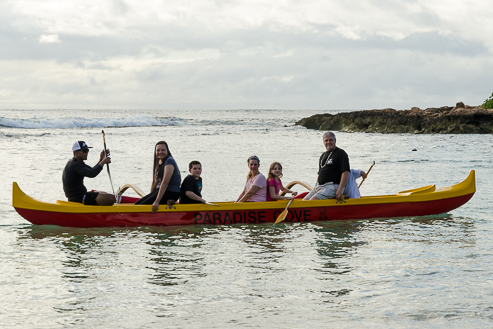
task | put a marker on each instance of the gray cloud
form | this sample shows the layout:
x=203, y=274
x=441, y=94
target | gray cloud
x=187, y=59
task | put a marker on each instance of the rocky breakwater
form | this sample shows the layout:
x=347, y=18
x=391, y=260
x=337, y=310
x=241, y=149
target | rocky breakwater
x=461, y=119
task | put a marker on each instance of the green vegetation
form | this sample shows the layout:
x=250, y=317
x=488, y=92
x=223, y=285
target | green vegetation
x=488, y=103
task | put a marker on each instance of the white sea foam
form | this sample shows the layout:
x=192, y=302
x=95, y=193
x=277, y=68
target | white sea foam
x=79, y=122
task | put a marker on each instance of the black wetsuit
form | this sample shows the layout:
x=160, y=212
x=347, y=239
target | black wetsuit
x=73, y=178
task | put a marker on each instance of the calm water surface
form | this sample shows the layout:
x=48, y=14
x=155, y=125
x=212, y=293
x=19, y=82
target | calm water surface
x=427, y=272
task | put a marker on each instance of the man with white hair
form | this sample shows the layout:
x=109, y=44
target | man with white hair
x=333, y=171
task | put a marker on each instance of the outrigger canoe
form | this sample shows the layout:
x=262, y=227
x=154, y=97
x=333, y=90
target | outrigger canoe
x=427, y=200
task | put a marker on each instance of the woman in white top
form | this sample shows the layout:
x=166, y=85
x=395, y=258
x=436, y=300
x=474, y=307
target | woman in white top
x=256, y=185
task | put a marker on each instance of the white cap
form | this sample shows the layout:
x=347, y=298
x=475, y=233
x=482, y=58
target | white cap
x=80, y=145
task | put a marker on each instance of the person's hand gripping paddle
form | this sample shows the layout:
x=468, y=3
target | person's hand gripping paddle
x=108, y=165
x=366, y=174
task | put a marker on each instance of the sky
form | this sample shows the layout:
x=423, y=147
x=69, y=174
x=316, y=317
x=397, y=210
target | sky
x=245, y=54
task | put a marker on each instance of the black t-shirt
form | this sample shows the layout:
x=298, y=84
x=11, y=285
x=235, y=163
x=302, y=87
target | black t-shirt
x=193, y=185
x=331, y=165
x=73, y=178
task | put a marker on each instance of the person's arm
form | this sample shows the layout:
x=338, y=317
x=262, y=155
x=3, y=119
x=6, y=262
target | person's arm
x=342, y=184
x=104, y=161
x=274, y=196
x=343, y=163
x=194, y=196
x=188, y=188
x=285, y=190
x=355, y=173
x=104, y=158
x=272, y=192
x=253, y=189
x=241, y=195
x=86, y=171
x=168, y=172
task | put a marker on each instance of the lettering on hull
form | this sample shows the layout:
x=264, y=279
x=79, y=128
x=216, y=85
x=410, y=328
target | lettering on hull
x=249, y=217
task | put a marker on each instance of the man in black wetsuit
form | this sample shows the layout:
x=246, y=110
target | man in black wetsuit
x=76, y=170
x=333, y=171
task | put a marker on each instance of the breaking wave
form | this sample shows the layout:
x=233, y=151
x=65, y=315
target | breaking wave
x=139, y=121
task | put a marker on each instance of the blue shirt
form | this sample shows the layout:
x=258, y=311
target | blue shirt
x=174, y=182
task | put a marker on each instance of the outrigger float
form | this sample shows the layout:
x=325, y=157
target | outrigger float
x=427, y=200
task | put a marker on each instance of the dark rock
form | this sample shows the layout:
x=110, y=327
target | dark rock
x=461, y=119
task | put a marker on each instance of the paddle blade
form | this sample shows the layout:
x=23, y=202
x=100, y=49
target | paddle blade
x=282, y=216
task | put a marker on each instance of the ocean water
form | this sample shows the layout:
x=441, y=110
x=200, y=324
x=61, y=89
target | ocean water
x=427, y=272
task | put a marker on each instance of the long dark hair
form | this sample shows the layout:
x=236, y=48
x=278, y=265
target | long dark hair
x=156, y=163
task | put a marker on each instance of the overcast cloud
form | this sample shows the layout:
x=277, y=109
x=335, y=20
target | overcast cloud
x=247, y=54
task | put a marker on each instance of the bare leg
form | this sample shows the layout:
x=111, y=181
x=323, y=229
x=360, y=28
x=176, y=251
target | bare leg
x=105, y=199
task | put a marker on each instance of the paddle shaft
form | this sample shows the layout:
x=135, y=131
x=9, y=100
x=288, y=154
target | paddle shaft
x=108, y=165
x=367, y=173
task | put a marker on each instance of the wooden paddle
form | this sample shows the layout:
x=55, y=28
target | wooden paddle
x=108, y=165
x=284, y=213
x=366, y=174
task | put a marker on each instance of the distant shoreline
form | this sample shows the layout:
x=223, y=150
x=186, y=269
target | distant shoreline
x=461, y=119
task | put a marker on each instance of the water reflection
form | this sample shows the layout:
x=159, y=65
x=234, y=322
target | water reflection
x=96, y=261
x=433, y=229
x=176, y=255
x=186, y=265
x=368, y=251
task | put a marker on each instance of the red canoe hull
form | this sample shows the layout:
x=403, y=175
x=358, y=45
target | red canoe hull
x=252, y=216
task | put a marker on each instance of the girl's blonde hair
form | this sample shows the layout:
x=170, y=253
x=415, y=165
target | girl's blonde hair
x=270, y=175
